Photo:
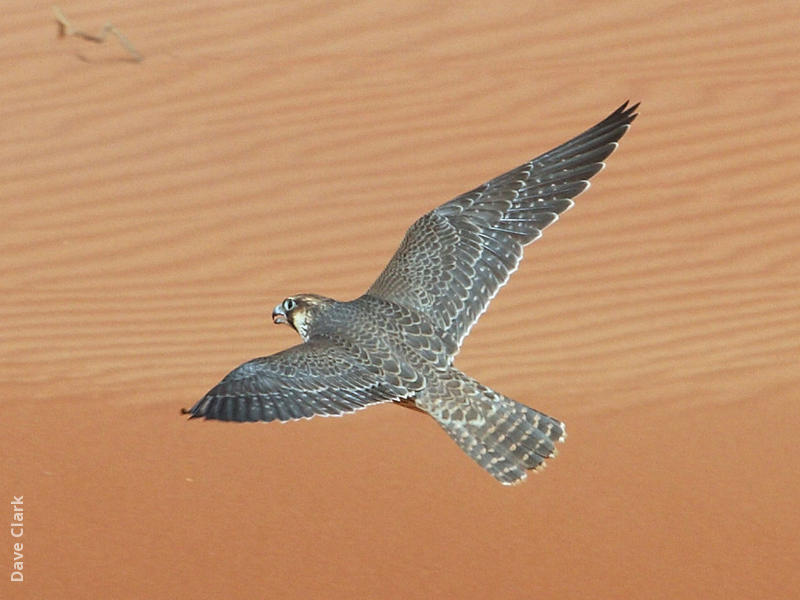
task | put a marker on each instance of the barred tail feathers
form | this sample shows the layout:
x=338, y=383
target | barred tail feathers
x=506, y=438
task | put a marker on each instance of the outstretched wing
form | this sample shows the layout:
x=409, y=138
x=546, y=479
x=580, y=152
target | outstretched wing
x=314, y=378
x=454, y=259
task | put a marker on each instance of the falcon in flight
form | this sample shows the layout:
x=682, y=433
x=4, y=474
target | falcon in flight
x=397, y=342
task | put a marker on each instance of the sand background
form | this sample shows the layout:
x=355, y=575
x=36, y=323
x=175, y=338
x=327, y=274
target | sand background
x=154, y=212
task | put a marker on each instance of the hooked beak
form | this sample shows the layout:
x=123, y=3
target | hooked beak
x=279, y=316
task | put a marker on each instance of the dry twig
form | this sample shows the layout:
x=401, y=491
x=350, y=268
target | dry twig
x=65, y=28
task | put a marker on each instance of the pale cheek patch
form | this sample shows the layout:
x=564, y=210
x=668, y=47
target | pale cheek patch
x=300, y=322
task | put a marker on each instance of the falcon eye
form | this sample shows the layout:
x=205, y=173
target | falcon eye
x=289, y=304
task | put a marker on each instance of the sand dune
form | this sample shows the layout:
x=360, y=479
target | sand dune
x=154, y=212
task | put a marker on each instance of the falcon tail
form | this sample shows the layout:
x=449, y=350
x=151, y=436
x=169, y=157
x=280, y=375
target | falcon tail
x=508, y=439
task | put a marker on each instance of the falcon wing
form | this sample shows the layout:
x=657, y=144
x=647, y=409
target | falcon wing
x=454, y=259
x=314, y=378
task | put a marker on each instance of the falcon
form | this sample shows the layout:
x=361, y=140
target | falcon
x=396, y=343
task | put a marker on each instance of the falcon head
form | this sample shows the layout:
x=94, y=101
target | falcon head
x=299, y=312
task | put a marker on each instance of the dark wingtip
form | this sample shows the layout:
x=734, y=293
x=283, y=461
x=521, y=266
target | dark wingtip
x=190, y=411
x=629, y=112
